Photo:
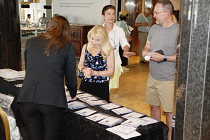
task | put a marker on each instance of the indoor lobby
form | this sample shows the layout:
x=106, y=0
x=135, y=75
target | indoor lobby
x=191, y=113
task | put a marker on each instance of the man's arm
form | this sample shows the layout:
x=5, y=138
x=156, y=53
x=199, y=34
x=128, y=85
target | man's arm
x=146, y=49
x=138, y=22
x=141, y=24
x=156, y=56
x=159, y=57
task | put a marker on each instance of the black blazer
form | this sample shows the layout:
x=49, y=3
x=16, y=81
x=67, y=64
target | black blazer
x=44, y=80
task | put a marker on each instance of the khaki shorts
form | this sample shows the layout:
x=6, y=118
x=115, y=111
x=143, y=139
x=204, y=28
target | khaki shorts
x=160, y=93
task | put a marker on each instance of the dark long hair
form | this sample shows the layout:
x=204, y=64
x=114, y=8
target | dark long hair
x=58, y=31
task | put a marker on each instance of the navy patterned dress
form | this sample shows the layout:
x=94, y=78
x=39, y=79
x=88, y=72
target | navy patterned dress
x=96, y=85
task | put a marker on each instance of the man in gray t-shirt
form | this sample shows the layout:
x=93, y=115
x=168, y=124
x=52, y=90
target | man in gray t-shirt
x=164, y=39
x=161, y=46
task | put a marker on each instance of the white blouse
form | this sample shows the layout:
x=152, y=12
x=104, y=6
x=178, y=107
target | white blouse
x=117, y=38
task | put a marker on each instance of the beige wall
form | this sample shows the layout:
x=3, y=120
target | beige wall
x=176, y=4
x=81, y=11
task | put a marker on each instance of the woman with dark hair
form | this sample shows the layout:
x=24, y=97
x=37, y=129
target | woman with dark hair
x=116, y=38
x=49, y=58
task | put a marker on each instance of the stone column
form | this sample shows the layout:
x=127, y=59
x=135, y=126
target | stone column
x=193, y=88
x=10, y=46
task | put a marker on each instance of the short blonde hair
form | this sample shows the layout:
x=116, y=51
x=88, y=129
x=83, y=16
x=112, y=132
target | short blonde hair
x=105, y=45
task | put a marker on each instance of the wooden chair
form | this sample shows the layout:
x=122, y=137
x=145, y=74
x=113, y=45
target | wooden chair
x=6, y=129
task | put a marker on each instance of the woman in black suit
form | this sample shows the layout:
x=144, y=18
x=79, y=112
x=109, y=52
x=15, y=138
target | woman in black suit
x=49, y=58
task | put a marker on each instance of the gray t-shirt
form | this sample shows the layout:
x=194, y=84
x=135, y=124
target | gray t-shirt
x=164, y=39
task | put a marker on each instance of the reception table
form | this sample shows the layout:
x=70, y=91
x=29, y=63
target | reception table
x=77, y=127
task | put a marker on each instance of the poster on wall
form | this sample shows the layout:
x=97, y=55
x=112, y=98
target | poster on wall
x=80, y=11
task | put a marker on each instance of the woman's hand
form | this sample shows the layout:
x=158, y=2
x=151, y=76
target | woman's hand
x=127, y=54
x=87, y=72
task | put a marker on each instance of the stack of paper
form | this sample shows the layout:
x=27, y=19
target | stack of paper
x=85, y=112
x=125, y=132
x=124, y=129
x=134, y=122
x=21, y=75
x=110, y=121
x=133, y=115
x=83, y=95
x=122, y=110
x=97, y=102
x=109, y=106
x=79, y=91
x=68, y=98
x=90, y=98
x=8, y=73
x=149, y=120
x=12, y=75
x=97, y=117
x=76, y=105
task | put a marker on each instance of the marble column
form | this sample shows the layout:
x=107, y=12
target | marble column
x=193, y=88
x=10, y=46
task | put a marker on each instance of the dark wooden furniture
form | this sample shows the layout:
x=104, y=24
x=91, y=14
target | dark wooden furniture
x=79, y=37
x=10, y=44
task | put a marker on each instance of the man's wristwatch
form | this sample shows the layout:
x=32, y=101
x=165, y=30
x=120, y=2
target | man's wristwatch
x=165, y=58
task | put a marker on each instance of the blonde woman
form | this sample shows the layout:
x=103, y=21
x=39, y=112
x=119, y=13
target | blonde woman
x=97, y=63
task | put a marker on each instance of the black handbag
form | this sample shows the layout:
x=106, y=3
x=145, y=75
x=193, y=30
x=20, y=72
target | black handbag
x=80, y=74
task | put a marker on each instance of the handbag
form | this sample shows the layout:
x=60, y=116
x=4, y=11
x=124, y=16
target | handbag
x=80, y=74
